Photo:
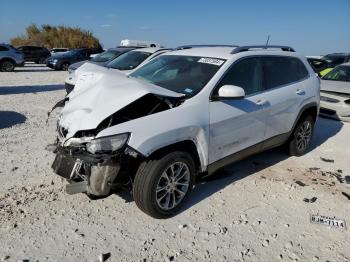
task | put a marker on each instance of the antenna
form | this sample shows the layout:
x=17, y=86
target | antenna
x=267, y=41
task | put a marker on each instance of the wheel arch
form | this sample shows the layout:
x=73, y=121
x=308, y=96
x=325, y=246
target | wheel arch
x=7, y=59
x=308, y=109
x=187, y=146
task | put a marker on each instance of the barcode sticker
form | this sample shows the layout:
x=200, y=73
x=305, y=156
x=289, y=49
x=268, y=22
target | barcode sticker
x=212, y=61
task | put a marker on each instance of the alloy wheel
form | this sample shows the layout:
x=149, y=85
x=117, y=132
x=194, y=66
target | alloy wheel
x=173, y=185
x=303, y=135
x=7, y=66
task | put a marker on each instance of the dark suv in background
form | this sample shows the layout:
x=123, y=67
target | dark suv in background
x=337, y=58
x=35, y=54
x=63, y=61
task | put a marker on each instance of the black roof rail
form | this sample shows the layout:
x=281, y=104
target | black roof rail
x=193, y=46
x=248, y=47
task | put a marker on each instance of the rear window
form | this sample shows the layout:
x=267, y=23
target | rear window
x=279, y=71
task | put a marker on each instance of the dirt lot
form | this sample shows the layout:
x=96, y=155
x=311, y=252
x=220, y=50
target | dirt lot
x=256, y=210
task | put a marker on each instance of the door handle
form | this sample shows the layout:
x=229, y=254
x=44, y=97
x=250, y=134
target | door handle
x=261, y=102
x=300, y=92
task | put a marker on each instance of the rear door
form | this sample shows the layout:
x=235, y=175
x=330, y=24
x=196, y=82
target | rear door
x=237, y=124
x=284, y=90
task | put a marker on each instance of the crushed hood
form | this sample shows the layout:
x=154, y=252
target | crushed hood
x=335, y=86
x=100, y=92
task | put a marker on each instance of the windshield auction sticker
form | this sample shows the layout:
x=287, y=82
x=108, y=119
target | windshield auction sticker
x=212, y=61
x=328, y=221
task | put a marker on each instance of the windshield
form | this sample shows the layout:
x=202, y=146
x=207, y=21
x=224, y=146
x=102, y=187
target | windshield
x=106, y=56
x=129, y=60
x=181, y=74
x=340, y=73
x=334, y=59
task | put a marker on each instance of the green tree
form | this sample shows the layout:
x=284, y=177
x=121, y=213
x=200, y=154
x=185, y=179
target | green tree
x=56, y=36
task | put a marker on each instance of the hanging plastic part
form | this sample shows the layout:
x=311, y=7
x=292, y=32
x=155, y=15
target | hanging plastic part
x=60, y=103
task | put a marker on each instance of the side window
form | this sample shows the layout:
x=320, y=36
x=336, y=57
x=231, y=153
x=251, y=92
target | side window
x=246, y=74
x=279, y=71
x=3, y=48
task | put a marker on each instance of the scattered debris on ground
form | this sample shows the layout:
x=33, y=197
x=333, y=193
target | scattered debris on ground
x=310, y=200
x=327, y=160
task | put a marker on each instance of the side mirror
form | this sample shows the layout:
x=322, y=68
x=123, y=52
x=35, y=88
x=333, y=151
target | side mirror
x=231, y=91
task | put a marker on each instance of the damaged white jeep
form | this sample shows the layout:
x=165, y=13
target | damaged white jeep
x=184, y=114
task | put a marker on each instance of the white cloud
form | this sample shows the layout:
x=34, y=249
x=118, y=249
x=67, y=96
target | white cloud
x=110, y=15
x=145, y=27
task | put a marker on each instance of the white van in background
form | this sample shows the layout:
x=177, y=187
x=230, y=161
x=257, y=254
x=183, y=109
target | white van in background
x=139, y=43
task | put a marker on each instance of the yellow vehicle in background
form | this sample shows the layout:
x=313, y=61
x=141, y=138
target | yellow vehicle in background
x=325, y=71
x=320, y=66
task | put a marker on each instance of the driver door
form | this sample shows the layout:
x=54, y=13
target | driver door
x=238, y=124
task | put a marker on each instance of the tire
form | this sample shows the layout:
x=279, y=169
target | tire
x=7, y=66
x=301, y=136
x=156, y=173
x=42, y=61
x=65, y=66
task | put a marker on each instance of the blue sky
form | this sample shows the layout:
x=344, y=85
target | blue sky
x=312, y=27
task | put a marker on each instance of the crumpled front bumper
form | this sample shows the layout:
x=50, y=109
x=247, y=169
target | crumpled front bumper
x=92, y=174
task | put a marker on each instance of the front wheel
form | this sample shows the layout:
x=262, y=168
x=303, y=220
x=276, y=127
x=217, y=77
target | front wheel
x=162, y=185
x=7, y=66
x=65, y=66
x=301, y=137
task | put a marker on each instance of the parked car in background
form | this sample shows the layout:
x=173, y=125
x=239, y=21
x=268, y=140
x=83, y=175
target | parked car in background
x=10, y=57
x=126, y=63
x=132, y=60
x=36, y=54
x=337, y=58
x=63, y=61
x=100, y=59
x=320, y=66
x=60, y=50
x=182, y=115
x=335, y=93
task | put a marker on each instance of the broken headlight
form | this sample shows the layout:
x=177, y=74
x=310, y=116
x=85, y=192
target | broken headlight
x=107, y=144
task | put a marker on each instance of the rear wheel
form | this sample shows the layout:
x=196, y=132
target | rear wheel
x=162, y=185
x=301, y=137
x=7, y=66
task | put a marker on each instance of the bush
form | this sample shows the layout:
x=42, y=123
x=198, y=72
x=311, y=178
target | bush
x=56, y=36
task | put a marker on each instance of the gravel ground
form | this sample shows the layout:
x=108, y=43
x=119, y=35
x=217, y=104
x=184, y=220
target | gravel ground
x=255, y=210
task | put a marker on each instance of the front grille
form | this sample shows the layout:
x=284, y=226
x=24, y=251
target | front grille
x=327, y=111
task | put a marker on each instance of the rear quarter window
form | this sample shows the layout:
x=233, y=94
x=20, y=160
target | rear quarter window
x=3, y=48
x=280, y=71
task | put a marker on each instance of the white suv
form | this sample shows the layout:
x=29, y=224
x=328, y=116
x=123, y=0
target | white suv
x=184, y=114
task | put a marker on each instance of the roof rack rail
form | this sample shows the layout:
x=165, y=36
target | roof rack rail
x=193, y=46
x=248, y=47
